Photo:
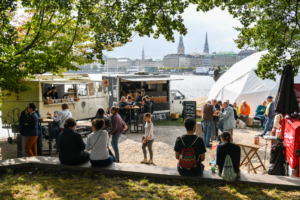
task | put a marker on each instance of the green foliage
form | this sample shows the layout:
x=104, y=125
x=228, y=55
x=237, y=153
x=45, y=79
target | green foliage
x=267, y=25
x=52, y=35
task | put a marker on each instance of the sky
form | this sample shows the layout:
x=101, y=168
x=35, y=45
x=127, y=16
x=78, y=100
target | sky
x=217, y=23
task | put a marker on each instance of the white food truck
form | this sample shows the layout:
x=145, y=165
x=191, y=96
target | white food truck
x=85, y=96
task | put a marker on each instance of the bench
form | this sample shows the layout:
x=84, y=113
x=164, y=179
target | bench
x=146, y=170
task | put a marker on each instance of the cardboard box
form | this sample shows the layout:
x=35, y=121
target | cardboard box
x=174, y=115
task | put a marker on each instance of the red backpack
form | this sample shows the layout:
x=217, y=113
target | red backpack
x=187, y=157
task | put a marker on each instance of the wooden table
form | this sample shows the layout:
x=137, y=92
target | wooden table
x=47, y=120
x=136, y=121
x=248, y=157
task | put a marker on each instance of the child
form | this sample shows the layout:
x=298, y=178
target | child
x=148, y=139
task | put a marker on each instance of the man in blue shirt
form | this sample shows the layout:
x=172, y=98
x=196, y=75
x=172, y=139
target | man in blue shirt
x=270, y=114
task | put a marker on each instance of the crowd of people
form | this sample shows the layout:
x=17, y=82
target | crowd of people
x=189, y=148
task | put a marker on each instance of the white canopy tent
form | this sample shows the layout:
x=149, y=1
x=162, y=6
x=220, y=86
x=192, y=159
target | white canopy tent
x=241, y=83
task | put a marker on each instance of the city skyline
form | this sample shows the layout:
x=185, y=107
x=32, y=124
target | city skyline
x=217, y=24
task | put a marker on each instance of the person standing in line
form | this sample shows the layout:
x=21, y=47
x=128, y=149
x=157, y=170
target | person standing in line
x=40, y=137
x=260, y=113
x=151, y=103
x=33, y=132
x=71, y=145
x=97, y=142
x=117, y=130
x=270, y=114
x=228, y=118
x=244, y=111
x=148, y=139
x=207, y=122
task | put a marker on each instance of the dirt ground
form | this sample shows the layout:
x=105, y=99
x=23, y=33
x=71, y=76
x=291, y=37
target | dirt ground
x=165, y=136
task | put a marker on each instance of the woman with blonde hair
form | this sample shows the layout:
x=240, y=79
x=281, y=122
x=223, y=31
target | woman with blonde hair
x=260, y=111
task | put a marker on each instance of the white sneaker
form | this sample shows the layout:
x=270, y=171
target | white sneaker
x=150, y=162
x=268, y=133
x=144, y=161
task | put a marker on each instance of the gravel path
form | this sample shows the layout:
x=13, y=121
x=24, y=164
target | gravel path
x=165, y=136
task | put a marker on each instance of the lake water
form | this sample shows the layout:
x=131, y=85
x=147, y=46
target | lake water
x=192, y=86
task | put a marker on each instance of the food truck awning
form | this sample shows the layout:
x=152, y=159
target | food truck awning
x=68, y=82
x=150, y=79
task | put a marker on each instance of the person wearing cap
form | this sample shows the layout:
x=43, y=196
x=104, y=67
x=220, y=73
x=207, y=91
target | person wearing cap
x=244, y=111
x=270, y=114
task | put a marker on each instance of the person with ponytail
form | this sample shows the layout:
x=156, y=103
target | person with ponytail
x=97, y=143
x=117, y=130
x=228, y=148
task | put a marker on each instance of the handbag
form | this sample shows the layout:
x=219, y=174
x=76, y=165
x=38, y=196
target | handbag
x=96, y=140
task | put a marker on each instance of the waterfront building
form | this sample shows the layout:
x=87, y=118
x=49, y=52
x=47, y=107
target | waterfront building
x=180, y=49
x=206, y=48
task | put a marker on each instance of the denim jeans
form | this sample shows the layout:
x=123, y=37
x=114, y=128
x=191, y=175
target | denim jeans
x=220, y=126
x=123, y=116
x=262, y=119
x=114, y=144
x=269, y=124
x=39, y=144
x=102, y=163
x=207, y=130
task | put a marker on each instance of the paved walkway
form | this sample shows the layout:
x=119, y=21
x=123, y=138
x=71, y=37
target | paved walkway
x=152, y=171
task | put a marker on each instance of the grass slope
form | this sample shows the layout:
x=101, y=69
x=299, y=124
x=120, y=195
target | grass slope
x=90, y=185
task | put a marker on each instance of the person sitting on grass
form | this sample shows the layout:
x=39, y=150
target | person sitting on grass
x=228, y=148
x=190, y=151
x=71, y=145
x=97, y=142
x=148, y=139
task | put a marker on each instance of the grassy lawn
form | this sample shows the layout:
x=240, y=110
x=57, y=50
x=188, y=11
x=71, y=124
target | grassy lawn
x=90, y=185
x=178, y=122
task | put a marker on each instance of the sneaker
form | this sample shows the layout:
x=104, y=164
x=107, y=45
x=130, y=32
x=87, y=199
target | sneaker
x=261, y=135
x=150, y=162
x=144, y=161
x=268, y=133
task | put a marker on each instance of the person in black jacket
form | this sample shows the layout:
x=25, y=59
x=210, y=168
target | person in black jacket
x=71, y=145
x=151, y=103
x=31, y=130
x=23, y=122
x=123, y=112
x=227, y=148
x=146, y=106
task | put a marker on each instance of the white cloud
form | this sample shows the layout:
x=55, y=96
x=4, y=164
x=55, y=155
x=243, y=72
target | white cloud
x=217, y=23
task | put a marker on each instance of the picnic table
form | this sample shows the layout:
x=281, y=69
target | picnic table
x=250, y=154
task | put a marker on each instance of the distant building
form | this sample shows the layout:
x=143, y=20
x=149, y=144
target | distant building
x=206, y=48
x=143, y=54
x=223, y=59
x=151, y=70
x=180, y=49
x=158, y=63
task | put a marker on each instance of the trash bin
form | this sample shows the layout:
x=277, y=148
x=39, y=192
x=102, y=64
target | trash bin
x=21, y=141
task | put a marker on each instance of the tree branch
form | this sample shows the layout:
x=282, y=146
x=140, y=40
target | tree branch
x=75, y=30
x=36, y=37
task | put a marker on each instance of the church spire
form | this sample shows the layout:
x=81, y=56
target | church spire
x=180, y=49
x=143, y=54
x=206, y=48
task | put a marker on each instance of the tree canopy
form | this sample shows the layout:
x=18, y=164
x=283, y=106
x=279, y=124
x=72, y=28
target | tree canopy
x=271, y=25
x=37, y=36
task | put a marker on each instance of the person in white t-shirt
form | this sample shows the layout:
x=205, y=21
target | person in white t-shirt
x=148, y=139
x=97, y=142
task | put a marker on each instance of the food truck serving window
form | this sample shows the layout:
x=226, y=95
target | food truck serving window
x=82, y=90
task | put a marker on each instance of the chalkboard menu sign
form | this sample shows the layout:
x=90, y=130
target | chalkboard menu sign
x=189, y=109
